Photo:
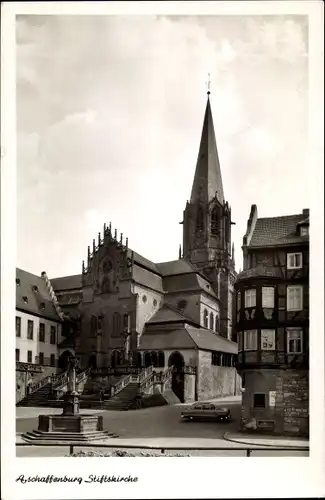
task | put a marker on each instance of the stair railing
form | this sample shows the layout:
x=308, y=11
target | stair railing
x=59, y=379
x=132, y=378
x=38, y=385
x=63, y=379
x=167, y=374
x=121, y=384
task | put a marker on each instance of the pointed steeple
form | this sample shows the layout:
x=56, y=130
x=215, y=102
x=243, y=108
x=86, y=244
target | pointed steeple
x=207, y=180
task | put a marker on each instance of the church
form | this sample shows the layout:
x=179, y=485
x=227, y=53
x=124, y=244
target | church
x=124, y=313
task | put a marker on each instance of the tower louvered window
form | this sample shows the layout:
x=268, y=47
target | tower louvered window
x=215, y=222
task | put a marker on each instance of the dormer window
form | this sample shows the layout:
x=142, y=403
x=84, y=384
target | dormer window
x=35, y=288
x=304, y=231
x=17, y=281
x=294, y=260
x=42, y=306
x=25, y=299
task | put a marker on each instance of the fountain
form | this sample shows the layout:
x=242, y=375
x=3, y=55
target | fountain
x=71, y=426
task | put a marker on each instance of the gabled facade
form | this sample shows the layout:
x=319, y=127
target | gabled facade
x=272, y=324
x=39, y=322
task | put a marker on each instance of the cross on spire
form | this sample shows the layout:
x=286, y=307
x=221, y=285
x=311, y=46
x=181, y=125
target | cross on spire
x=208, y=85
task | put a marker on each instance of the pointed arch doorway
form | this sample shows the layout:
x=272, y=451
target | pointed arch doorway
x=176, y=359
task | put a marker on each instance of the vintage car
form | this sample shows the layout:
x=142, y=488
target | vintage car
x=206, y=411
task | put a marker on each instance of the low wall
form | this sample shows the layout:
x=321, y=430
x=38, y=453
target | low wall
x=215, y=381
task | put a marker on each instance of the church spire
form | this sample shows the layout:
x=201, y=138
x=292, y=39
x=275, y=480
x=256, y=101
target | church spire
x=207, y=180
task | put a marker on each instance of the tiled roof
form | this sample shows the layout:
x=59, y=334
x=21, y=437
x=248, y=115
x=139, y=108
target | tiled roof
x=169, y=339
x=273, y=231
x=147, y=278
x=142, y=261
x=168, y=314
x=175, y=267
x=38, y=301
x=261, y=271
x=185, y=338
x=208, y=340
x=66, y=282
x=187, y=282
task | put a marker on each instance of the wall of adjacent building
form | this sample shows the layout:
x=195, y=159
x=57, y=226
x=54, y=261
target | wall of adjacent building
x=287, y=402
x=24, y=344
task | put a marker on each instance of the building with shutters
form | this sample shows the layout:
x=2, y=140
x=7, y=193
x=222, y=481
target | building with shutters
x=272, y=324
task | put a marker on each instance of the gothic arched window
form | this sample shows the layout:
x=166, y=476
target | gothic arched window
x=126, y=323
x=217, y=324
x=211, y=321
x=200, y=219
x=116, y=323
x=215, y=221
x=205, y=319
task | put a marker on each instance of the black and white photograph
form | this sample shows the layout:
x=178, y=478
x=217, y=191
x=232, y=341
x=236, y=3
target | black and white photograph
x=162, y=248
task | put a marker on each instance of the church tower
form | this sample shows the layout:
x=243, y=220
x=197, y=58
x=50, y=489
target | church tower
x=207, y=224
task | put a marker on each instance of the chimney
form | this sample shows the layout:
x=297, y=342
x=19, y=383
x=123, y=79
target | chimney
x=305, y=212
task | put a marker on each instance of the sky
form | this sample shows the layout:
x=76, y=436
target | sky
x=109, y=117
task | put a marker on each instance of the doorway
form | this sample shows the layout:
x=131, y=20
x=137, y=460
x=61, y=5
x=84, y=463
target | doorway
x=176, y=359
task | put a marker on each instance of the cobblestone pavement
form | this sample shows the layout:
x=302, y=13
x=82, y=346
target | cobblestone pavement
x=156, y=422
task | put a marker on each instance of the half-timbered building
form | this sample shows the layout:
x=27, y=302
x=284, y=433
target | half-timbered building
x=272, y=324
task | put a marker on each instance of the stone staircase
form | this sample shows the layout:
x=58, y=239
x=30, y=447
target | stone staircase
x=43, y=392
x=38, y=398
x=124, y=399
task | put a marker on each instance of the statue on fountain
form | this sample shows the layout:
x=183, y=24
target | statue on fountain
x=71, y=398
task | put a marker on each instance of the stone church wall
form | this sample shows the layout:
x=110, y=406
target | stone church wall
x=215, y=381
x=148, y=303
